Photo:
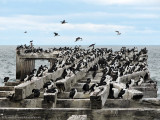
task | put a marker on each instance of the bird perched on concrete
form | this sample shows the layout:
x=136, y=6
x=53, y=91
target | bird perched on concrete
x=51, y=90
x=63, y=22
x=56, y=34
x=93, y=87
x=118, y=33
x=11, y=96
x=122, y=91
x=26, y=78
x=140, y=81
x=86, y=86
x=49, y=84
x=130, y=83
x=6, y=79
x=36, y=93
x=78, y=38
x=98, y=91
x=72, y=93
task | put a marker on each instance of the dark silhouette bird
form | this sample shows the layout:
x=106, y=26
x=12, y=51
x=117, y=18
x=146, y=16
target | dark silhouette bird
x=92, y=45
x=36, y=93
x=31, y=41
x=25, y=31
x=118, y=33
x=72, y=93
x=78, y=38
x=56, y=34
x=6, y=79
x=63, y=22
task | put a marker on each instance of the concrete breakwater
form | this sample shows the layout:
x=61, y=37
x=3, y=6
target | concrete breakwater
x=95, y=105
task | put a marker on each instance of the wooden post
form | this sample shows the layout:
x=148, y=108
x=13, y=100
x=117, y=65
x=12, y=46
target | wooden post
x=18, y=67
x=27, y=65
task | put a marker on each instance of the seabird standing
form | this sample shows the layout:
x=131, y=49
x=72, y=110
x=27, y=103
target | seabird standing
x=86, y=86
x=72, y=93
x=140, y=81
x=36, y=93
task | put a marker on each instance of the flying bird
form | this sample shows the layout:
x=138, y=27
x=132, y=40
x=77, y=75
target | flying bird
x=92, y=45
x=25, y=31
x=31, y=41
x=118, y=33
x=63, y=22
x=78, y=38
x=56, y=34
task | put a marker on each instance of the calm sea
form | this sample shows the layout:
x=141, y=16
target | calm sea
x=8, y=61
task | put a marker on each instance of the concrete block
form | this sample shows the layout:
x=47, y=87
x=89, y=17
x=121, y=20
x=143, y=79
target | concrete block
x=79, y=95
x=78, y=117
x=73, y=103
x=132, y=94
x=98, y=101
x=52, y=97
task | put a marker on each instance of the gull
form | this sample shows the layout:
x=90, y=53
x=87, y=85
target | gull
x=63, y=22
x=78, y=38
x=118, y=33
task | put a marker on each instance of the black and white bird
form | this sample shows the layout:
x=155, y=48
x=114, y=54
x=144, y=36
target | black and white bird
x=93, y=87
x=26, y=78
x=72, y=93
x=56, y=34
x=98, y=91
x=51, y=90
x=78, y=38
x=118, y=33
x=122, y=91
x=130, y=83
x=36, y=93
x=63, y=22
x=86, y=86
x=49, y=84
x=140, y=81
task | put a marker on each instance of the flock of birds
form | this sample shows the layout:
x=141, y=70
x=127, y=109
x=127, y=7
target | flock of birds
x=78, y=38
x=115, y=65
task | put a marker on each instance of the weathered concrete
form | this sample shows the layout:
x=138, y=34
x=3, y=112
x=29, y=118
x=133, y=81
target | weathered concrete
x=73, y=103
x=65, y=113
x=79, y=95
x=24, y=90
x=78, y=117
x=98, y=101
x=126, y=78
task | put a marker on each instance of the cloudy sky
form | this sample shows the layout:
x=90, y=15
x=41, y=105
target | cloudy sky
x=94, y=20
